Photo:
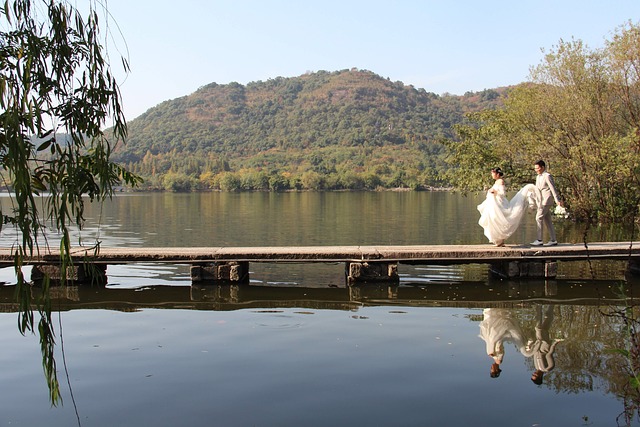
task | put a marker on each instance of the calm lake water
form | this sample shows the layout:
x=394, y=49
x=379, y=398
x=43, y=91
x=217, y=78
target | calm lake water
x=297, y=346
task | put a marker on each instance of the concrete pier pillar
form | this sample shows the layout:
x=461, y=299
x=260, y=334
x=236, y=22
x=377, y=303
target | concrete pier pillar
x=525, y=269
x=232, y=272
x=85, y=273
x=362, y=272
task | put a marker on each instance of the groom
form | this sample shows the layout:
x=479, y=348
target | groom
x=544, y=183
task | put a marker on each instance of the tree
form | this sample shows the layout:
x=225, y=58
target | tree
x=57, y=93
x=229, y=181
x=178, y=182
x=278, y=182
x=580, y=113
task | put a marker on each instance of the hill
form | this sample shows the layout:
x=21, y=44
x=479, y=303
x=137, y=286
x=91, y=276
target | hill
x=323, y=130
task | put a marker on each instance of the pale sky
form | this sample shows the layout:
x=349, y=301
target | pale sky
x=445, y=46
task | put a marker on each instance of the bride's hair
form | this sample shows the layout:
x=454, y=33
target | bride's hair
x=498, y=171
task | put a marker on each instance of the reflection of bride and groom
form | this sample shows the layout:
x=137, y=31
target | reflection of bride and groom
x=500, y=217
x=498, y=327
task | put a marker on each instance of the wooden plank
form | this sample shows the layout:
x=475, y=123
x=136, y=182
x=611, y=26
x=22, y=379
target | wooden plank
x=415, y=254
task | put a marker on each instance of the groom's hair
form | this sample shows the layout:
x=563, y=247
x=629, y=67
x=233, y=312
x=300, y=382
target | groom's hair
x=541, y=164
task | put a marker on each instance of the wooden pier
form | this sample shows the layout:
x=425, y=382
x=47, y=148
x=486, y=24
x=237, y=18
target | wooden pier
x=362, y=263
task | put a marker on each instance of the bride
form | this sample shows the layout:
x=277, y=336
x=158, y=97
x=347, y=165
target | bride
x=500, y=217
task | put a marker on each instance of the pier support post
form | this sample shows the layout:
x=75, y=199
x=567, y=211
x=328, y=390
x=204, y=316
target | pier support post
x=232, y=271
x=86, y=273
x=525, y=269
x=362, y=272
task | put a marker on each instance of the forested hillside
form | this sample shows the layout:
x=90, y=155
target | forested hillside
x=349, y=129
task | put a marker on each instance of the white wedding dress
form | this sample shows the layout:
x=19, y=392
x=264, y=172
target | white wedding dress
x=500, y=217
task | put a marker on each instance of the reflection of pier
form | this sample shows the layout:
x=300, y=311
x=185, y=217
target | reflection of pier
x=362, y=263
x=504, y=294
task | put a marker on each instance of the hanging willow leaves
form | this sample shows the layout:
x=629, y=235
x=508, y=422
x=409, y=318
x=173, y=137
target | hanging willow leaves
x=57, y=94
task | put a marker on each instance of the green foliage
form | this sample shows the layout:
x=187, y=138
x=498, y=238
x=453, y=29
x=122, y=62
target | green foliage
x=278, y=182
x=178, y=182
x=54, y=79
x=581, y=114
x=229, y=181
x=343, y=126
x=254, y=180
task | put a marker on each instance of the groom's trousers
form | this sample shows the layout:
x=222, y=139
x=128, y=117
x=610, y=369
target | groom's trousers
x=543, y=219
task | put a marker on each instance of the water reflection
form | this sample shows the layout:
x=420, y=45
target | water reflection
x=469, y=294
x=308, y=218
x=298, y=344
x=545, y=326
x=567, y=347
x=497, y=328
x=543, y=347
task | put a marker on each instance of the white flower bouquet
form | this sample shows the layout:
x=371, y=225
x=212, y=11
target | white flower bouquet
x=561, y=211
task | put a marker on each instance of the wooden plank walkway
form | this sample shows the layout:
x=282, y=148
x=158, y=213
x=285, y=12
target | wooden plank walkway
x=362, y=263
x=415, y=254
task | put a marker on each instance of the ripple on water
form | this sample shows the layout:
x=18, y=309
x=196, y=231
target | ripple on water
x=275, y=319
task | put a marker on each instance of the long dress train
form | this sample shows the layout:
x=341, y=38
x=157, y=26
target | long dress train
x=500, y=217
